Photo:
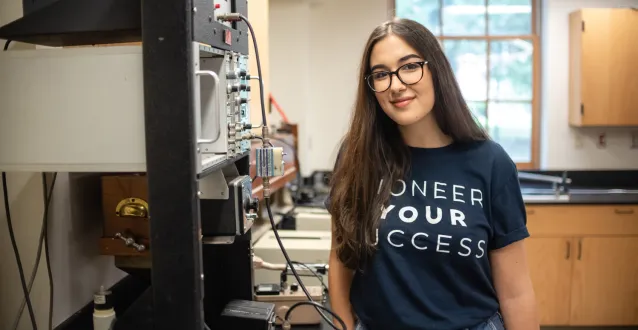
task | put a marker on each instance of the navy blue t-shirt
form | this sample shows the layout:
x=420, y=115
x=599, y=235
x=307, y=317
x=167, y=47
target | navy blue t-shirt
x=431, y=269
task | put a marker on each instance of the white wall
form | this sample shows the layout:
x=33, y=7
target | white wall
x=315, y=52
x=563, y=147
x=290, y=81
x=315, y=49
x=74, y=228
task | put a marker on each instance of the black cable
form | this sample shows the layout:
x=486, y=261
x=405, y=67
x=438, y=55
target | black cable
x=15, y=250
x=36, y=266
x=257, y=137
x=317, y=305
x=292, y=268
x=267, y=199
x=6, y=45
x=319, y=277
x=261, y=81
x=47, y=257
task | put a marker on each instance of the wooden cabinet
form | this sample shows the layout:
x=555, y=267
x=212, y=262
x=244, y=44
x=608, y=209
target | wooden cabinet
x=583, y=264
x=603, y=67
x=550, y=269
x=605, y=282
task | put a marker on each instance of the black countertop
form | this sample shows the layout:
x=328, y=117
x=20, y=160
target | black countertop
x=587, y=187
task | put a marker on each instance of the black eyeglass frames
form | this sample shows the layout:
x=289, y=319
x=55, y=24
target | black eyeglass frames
x=409, y=74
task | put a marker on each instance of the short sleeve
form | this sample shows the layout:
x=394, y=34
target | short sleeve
x=509, y=219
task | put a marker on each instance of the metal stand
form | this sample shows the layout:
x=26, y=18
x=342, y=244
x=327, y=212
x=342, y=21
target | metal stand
x=177, y=274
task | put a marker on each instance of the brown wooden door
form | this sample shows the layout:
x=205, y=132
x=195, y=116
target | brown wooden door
x=550, y=261
x=609, y=67
x=605, y=281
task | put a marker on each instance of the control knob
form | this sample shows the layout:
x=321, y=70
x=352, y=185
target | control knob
x=240, y=100
x=236, y=87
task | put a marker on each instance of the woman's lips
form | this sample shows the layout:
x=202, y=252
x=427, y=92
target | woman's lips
x=402, y=103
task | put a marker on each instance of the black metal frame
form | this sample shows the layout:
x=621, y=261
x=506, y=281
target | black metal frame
x=180, y=281
x=177, y=272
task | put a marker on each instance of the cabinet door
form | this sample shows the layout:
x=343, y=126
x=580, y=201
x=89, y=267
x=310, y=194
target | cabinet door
x=550, y=263
x=609, y=67
x=605, y=282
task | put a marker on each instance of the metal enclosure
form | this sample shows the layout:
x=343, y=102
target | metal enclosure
x=98, y=92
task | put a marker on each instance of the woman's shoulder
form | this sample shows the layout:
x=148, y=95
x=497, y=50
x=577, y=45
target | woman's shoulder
x=489, y=153
x=485, y=148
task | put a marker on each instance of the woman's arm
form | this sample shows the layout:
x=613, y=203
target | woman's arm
x=514, y=287
x=339, y=281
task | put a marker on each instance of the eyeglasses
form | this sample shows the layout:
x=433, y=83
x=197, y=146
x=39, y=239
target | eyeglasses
x=408, y=74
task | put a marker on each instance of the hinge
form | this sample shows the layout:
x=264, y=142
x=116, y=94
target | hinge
x=583, y=26
x=582, y=109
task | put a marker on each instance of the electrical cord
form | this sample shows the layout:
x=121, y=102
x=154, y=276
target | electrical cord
x=15, y=250
x=317, y=305
x=233, y=17
x=261, y=81
x=319, y=277
x=36, y=266
x=296, y=275
x=47, y=200
x=6, y=45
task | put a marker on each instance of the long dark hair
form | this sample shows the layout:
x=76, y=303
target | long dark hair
x=373, y=149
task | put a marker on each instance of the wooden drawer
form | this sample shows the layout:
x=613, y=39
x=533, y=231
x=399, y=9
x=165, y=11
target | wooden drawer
x=125, y=207
x=582, y=220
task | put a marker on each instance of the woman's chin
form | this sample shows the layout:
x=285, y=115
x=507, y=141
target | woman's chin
x=407, y=118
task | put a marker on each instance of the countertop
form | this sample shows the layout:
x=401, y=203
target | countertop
x=586, y=187
x=535, y=194
x=585, y=199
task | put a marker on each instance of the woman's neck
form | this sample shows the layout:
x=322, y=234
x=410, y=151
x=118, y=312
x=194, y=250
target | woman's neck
x=425, y=133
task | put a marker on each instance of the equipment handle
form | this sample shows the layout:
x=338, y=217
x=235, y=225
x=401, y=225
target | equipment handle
x=216, y=78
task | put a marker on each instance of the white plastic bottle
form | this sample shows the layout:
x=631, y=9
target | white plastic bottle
x=103, y=312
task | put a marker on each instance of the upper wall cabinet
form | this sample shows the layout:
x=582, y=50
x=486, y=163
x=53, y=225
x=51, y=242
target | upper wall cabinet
x=603, y=67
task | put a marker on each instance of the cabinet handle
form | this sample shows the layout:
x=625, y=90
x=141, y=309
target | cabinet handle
x=619, y=211
x=530, y=212
x=569, y=248
x=580, y=249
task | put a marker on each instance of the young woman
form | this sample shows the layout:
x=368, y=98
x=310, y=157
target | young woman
x=428, y=217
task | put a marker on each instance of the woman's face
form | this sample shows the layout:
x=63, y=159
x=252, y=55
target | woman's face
x=409, y=102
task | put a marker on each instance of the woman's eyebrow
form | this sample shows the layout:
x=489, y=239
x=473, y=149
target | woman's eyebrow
x=402, y=59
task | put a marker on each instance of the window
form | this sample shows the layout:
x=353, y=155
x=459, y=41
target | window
x=492, y=46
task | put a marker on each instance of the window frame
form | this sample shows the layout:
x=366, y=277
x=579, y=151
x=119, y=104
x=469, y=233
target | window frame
x=536, y=69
